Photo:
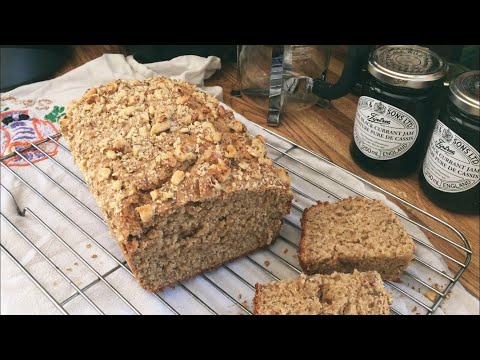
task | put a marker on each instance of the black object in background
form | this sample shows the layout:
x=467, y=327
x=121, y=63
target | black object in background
x=450, y=173
x=24, y=64
x=397, y=109
x=152, y=53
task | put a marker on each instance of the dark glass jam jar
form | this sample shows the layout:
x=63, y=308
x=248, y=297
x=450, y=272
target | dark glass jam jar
x=397, y=109
x=451, y=174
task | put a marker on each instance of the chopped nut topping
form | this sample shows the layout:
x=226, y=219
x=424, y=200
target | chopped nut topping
x=347, y=206
x=243, y=166
x=231, y=152
x=132, y=100
x=128, y=111
x=154, y=194
x=258, y=145
x=265, y=161
x=158, y=140
x=220, y=171
x=92, y=99
x=112, y=87
x=221, y=110
x=177, y=177
x=206, y=155
x=208, y=125
x=83, y=165
x=256, y=175
x=283, y=176
x=119, y=95
x=104, y=173
x=261, y=138
x=117, y=185
x=111, y=154
x=143, y=131
x=136, y=149
x=167, y=195
x=119, y=144
x=183, y=156
x=157, y=128
x=208, y=138
x=236, y=126
x=216, y=137
x=145, y=212
x=89, y=93
x=254, y=152
x=64, y=121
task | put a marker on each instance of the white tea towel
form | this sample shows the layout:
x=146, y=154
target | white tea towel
x=32, y=112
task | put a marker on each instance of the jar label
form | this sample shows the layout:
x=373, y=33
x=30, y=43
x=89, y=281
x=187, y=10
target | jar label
x=451, y=164
x=382, y=131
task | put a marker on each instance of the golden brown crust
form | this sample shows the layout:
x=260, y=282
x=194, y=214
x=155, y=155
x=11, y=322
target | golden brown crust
x=303, y=219
x=148, y=146
x=257, y=298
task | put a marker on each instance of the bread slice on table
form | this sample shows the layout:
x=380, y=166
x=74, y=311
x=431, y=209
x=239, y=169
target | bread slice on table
x=354, y=233
x=360, y=293
x=182, y=185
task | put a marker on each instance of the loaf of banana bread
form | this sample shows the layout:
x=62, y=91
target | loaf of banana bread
x=360, y=293
x=354, y=233
x=181, y=184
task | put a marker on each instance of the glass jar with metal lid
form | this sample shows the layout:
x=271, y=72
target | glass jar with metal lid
x=451, y=170
x=397, y=109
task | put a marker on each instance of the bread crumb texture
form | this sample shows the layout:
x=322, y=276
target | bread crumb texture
x=354, y=233
x=359, y=293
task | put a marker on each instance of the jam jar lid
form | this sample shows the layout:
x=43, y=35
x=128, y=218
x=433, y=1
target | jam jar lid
x=408, y=66
x=465, y=92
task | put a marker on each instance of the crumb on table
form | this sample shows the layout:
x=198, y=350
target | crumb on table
x=89, y=246
x=94, y=256
x=266, y=263
x=430, y=295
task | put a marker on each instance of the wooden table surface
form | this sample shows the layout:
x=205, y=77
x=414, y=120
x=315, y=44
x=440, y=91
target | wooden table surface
x=329, y=132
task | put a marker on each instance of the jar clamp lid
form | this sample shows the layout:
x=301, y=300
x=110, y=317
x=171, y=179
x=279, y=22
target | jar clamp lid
x=407, y=66
x=465, y=92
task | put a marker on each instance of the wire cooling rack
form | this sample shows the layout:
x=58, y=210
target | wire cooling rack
x=423, y=293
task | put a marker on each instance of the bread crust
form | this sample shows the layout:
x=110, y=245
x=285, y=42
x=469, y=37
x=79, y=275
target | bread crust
x=257, y=298
x=149, y=147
